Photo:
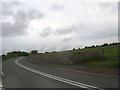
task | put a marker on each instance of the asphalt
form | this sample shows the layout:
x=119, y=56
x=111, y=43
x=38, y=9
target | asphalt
x=17, y=77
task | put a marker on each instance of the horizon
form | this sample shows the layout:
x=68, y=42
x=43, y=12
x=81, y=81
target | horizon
x=60, y=50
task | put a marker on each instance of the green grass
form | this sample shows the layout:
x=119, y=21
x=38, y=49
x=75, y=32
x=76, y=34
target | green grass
x=110, y=59
x=109, y=51
x=8, y=57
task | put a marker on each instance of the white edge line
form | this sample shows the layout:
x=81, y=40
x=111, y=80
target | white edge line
x=78, y=84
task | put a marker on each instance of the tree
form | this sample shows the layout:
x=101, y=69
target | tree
x=3, y=55
x=46, y=52
x=33, y=52
x=24, y=54
x=96, y=45
x=73, y=48
x=105, y=44
x=92, y=46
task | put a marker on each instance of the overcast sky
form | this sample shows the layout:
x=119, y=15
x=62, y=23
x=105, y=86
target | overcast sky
x=55, y=25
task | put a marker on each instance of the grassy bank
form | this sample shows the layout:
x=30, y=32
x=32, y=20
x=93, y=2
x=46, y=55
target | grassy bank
x=5, y=58
x=109, y=60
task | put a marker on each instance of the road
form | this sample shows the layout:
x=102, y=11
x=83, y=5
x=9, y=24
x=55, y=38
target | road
x=19, y=77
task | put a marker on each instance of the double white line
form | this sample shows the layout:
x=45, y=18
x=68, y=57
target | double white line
x=74, y=83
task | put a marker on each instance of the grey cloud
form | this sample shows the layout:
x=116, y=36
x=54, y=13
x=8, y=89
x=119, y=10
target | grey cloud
x=21, y=16
x=51, y=48
x=30, y=15
x=21, y=22
x=34, y=14
x=102, y=31
x=106, y=5
x=7, y=8
x=57, y=7
x=45, y=32
x=7, y=13
x=101, y=35
x=64, y=31
x=90, y=31
x=7, y=5
x=84, y=34
x=110, y=6
x=15, y=29
x=67, y=39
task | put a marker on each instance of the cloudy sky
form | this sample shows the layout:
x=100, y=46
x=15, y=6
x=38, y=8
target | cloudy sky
x=55, y=25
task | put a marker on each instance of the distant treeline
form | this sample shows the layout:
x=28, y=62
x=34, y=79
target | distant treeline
x=105, y=44
x=93, y=46
x=34, y=52
x=14, y=54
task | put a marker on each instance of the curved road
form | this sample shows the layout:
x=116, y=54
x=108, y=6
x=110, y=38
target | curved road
x=18, y=77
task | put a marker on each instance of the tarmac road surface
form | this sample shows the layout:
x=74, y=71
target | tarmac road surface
x=19, y=73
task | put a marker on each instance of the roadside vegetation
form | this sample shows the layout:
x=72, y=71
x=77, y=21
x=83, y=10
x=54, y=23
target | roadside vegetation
x=110, y=58
x=13, y=54
x=105, y=55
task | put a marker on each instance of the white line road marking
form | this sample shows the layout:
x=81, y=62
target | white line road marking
x=78, y=84
x=2, y=74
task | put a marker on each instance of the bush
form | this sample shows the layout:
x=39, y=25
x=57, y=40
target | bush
x=33, y=52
